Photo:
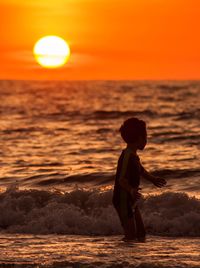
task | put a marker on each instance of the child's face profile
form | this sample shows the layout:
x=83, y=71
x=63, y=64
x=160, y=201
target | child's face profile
x=142, y=141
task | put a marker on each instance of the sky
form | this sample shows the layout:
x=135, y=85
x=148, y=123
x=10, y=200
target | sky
x=109, y=39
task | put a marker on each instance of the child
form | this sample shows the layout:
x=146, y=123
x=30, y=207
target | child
x=127, y=181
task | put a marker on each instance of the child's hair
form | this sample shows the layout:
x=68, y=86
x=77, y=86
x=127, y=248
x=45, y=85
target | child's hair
x=132, y=129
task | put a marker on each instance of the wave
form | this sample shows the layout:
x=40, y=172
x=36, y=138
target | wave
x=85, y=116
x=102, y=114
x=47, y=178
x=93, y=264
x=173, y=87
x=92, y=178
x=177, y=173
x=62, y=116
x=188, y=115
x=100, y=178
x=192, y=139
x=98, y=114
x=48, y=212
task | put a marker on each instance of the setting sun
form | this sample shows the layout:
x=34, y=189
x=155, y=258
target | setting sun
x=51, y=51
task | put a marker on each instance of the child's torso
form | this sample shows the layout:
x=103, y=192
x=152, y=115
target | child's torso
x=128, y=167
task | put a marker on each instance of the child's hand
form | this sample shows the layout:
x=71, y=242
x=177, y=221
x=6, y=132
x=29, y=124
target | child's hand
x=135, y=194
x=159, y=182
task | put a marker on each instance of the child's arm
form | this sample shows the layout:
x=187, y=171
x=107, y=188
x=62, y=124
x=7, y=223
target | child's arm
x=159, y=182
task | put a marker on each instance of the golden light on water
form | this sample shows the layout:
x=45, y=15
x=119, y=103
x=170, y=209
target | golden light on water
x=51, y=52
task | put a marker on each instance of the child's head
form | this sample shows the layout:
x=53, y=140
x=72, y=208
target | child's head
x=134, y=131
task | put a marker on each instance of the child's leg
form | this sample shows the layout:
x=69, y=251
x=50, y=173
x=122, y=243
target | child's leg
x=140, y=229
x=129, y=229
x=126, y=216
x=127, y=220
x=130, y=226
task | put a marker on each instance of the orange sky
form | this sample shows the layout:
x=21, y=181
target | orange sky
x=109, y=39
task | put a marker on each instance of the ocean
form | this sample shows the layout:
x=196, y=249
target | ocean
x=59, y=149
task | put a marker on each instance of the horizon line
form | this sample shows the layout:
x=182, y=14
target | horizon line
x=101, y=80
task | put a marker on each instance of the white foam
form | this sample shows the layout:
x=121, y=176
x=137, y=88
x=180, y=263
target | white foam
x=91, y=212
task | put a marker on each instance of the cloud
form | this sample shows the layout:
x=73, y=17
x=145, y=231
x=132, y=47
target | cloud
x=26, y=58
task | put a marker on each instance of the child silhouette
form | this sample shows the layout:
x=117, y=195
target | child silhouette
x=129, y=171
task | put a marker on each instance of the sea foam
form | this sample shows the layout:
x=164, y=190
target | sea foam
x=91, y=212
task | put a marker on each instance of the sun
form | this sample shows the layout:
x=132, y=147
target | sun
x=51, y=51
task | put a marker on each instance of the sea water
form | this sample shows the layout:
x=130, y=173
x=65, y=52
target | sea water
x=59, y=148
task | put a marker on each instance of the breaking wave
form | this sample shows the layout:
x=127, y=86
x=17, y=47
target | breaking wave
x=85, y=212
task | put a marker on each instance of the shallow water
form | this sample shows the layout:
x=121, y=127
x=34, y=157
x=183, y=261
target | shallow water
x=97, y=251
